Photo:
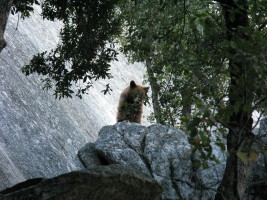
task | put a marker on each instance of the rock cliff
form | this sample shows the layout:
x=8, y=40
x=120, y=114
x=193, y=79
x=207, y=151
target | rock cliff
x=40, y=136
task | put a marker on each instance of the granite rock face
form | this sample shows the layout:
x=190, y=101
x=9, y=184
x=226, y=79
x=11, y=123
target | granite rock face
x=161, y=152
x=113, y=182
x=40, y=136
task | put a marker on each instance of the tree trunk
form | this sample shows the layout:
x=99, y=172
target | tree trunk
x=154, y=91
x=186, y=105
x=240, y=136
x=5, y=6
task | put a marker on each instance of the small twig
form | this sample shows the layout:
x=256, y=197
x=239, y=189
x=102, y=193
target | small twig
x=17, y=22
x=260, y=136
x=259, y=102
x=16, y=26
x=226, y=125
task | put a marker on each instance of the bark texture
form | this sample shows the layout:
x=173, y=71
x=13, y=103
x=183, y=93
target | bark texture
x=5, y=6
x=154, y=91
x=240, y=136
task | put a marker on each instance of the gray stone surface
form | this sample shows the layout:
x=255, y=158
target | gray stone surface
x=117, y=145
x=40, y=136
x=113, y=182
x=89, y=156
x=161, y=152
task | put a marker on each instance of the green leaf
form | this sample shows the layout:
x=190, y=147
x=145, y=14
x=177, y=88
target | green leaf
x=253, y=156
x=203, y=137
x=221, y=145
x=243, y=156
x=205, y=165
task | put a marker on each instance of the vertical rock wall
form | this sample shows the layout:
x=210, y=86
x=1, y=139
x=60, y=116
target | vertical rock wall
x=40, y=136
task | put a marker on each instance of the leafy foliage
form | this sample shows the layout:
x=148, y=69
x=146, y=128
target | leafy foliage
x=23, y=7
x=190, y=52
x=209, y=70
x=86, y=47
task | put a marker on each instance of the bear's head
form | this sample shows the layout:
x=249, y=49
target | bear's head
x=137, y=93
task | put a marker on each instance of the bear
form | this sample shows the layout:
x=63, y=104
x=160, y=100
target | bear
x=131, y=103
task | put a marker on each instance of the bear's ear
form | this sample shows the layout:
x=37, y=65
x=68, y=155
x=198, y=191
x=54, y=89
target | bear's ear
x=132, y=84
x=146, y=89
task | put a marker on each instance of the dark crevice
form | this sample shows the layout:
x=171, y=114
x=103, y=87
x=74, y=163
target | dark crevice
x=103, y=160
x=143, y=157
x=174, y=185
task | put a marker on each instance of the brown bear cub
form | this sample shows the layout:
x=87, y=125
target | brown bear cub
x=131, y=103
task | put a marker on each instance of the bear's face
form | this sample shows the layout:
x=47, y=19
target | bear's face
x=136, y=94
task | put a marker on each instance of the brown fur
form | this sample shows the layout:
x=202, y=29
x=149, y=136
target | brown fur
x=131, y=103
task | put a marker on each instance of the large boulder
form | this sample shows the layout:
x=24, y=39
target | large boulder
x=161, y=152
x=113, y=182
